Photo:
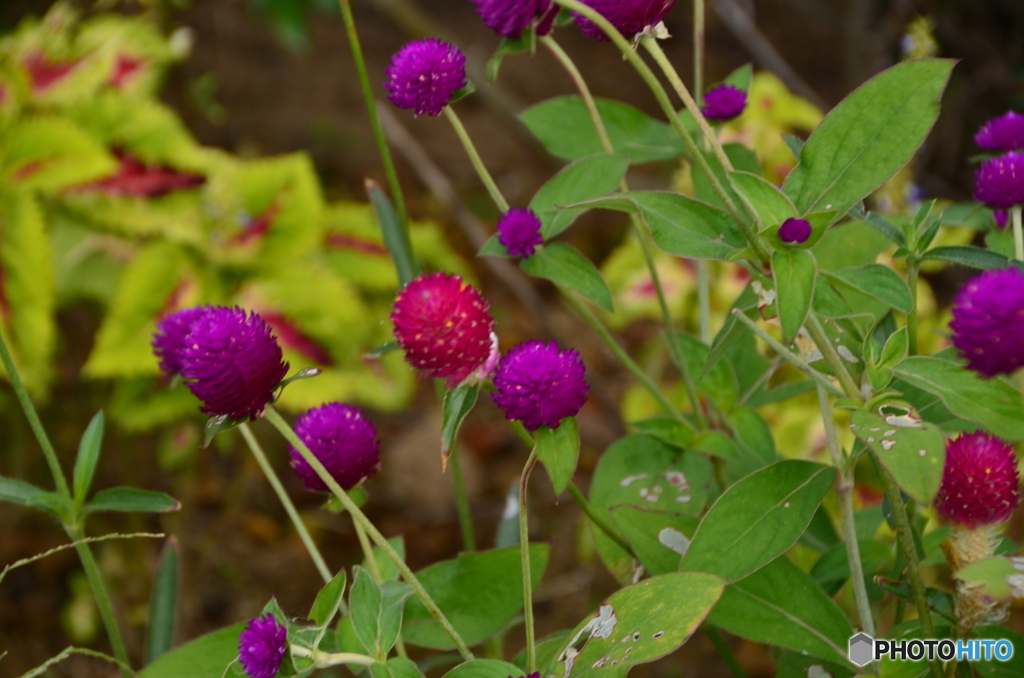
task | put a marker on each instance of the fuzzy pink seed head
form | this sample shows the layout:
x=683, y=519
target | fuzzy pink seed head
x=980, y=483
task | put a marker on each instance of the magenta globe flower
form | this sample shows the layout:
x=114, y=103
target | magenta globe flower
x=262, y=647
x=509, y=18
x=539, y=385
x=628, y=16
x=232, y=362
x=980, y=483
x=341, y=438
x=1000, y=181
x=424, y=75
x=795, y=231
x=988, y=322
x=724, y=102
x=1001, y=217
x=519, y=232
x=169, y=339
x=1004, y=133
x=445, y=327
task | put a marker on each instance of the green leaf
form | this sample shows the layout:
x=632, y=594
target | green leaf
x=878, y=282
x=742, y=159
x=895, y=349
x=772, y=205
x=639, y=624
x=50, y=154
x=387, y=569
x=131, y=500
x=564, y=265
x=395, y=238
x=55, y=503
x=741, y=77
x=912, y=450
x=479, y=593
x=563, y=125
x=88, y=455
x=882, y=225
x=782, y=605
x=794, y=273
x=789, y=664
x=758, y=518
x=558, y=449
x=583, y=180
x=548, y=649
x=868, y=137
x=939, y=601
x=999, y=578
x=163, y=603
x=974, y=257
x=832, y=569
x=667, y=429
x=458, y=403
x=525, y=43
x=396, y=667
x=377, y=611
x=328, y=601
x=1000, y=669
x=18, y=491
x=851, y=243
x=680, y=225
x=205, y=657
x=484, y=668
x=659, y=539
x=991, y=403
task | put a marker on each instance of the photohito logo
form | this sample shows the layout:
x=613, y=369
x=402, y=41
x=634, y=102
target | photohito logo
x=864, y=649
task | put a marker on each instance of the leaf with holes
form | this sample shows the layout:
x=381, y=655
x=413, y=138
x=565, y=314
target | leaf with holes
x=659, y=539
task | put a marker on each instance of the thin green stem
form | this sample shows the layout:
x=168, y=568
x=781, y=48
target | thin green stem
x=724, y=651
x=289, y=507
x=698, y=50
x=524, y=550
x=704, y=300
x=832, y=359
x=323, y=660
x=474, y=157
x=642, y=233
x=378, y=131
x=905, y=536
x=282, y=426
x=793, y=358
x=1018, y=232
x=912, y=275
x=844, y=491
x=458, y=481
x=624, y=357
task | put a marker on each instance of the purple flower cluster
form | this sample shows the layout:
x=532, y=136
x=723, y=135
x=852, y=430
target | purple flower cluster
x=1000, y=181
x=519, y=232
x=988, y=322
x=1005, y=133
x=795, y=231
x=262, y=647
x=539, y=385
x=724, y=102
x=509, y=18
x=424, y=75
x=341, y=438
x=628, y=16
x=980, y=483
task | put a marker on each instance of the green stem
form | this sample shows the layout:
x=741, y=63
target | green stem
x=790, y=356
x=844, y=491
x=624, y=357
x=474, y=157
x=905, y=535
x=524, y=550
x=282, y=426
x=461, y=496
x=704, y=300
x=642, y=233
x=832, y=359
x=1018, y=233
x=724, y=651
x=912, y=275
x=698, y=50
x=378, y=131
x=289, y=507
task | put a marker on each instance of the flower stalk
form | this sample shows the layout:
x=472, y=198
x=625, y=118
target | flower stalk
x=524, y=550
x=474, y=157
x=1018, y=232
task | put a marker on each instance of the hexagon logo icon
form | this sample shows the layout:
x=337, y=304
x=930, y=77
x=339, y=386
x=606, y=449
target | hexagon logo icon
x=862, y=649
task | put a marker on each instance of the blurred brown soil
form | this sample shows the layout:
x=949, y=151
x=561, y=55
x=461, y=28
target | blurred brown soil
x=238, y=548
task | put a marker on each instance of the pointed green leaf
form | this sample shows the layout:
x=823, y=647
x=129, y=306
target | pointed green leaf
x=524, y=43
x=772, y=205
x=18, y=491
x=88, y=456
x=395, y=238
x=558, y=449
x=484, y=668
x=659, y=539
x=974, y=257
x=163, y=603
x=131, y=500
x=878, y=282
x=564, y=265
x=458, y=403
x=794, y=273
x=585, y=179
x=205, y=657
x=999, y=578
x=328, y=600
x=377, y=611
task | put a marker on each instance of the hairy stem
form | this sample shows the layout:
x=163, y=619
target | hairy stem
x=474, y=157
x=410, y=578
x=832, y=358
x=524, y=550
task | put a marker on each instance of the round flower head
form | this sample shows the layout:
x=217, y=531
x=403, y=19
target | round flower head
x=988, y=322
x=169, y=339
x=1001, y=218
x=1005, y=133
x=262, y=647
x=519, y=232
x=629, y=16
x=424, y=74
x=795, y=231
x=1000, y=181
x=342, y=439
x=979, y=482
x=232, y=362
x=724, y=102
x=444, y=326
x=539, y=385
x=509, y=18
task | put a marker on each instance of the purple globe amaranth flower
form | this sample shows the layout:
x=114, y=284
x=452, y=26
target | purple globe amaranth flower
x=1000, y=181
x=232, y=362
x=169, y=339
x=980, y=483
x=519, y=232
x=795, y=231
x=628, y=16
x=1001, y=217
x=445, y=327
x=1004, y=133
x=539, y=385
x=341, y=438
x=262, y=647
x=724, y=102
x=424, y=75
x=988, y=322
x=509, y=18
